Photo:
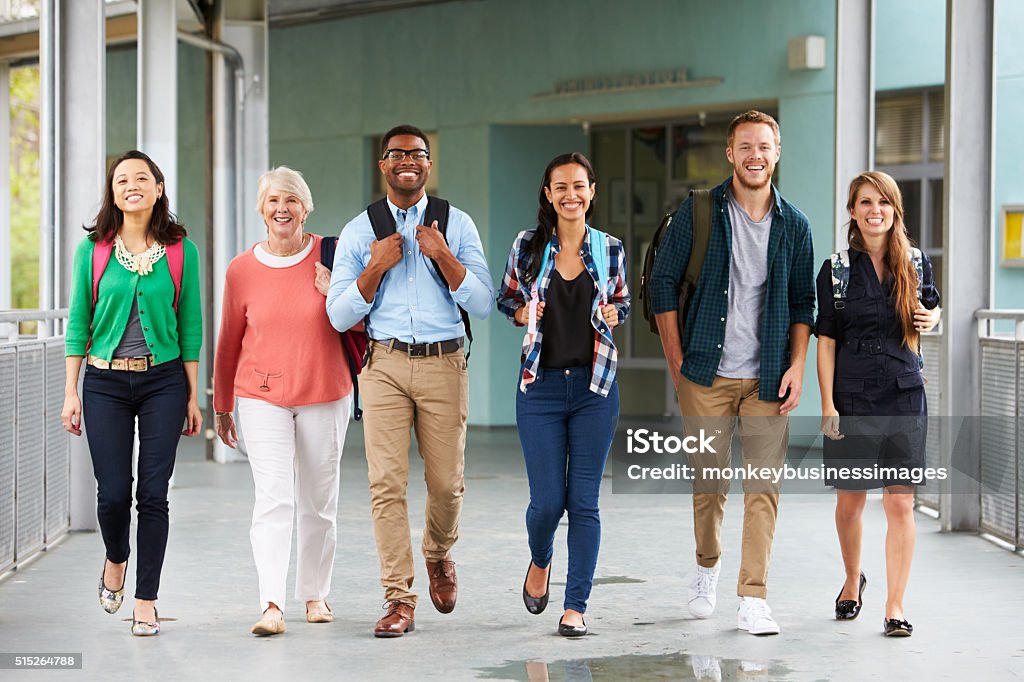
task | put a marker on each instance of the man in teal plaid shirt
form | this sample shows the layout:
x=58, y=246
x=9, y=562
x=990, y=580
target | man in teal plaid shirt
x=742, y=352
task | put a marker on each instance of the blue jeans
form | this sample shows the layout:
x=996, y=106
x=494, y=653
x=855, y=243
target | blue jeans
x=111, y=400
x=566, y=431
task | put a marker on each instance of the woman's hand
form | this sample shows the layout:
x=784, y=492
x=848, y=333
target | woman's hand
x=193, y=418
x=830, y=423
x=611, y=315
x=925, y=320
x=226, y=429
x=71, y=414
x=322, y=281
x=523, y=314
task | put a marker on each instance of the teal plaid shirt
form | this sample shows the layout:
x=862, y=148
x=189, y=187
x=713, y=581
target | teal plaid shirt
x=789, y=295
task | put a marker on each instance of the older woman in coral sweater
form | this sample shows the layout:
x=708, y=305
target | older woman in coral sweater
x=278, y=354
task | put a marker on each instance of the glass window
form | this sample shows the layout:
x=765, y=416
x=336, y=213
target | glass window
x=898, y=129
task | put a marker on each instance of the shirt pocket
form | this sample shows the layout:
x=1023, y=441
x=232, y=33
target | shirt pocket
x=268, y=386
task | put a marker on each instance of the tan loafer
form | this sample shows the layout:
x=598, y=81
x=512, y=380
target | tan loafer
x=320, y=615
x=272, y=623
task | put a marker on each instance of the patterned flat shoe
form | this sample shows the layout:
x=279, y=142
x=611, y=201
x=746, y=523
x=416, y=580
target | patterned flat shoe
x=141, y=628
x=111, y=600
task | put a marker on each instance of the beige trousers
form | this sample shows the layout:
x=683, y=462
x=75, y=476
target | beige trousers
x=764, y=435
x=429, y=394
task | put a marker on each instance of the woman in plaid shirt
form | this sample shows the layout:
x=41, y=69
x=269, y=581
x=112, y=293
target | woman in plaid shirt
x=566, y=282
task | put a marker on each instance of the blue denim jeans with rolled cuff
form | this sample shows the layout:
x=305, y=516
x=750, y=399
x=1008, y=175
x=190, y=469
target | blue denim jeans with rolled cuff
x=566, y=431
x=111, y=401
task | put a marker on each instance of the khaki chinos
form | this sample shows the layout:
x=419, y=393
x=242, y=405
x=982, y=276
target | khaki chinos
x=430, y=394
x=764, y=435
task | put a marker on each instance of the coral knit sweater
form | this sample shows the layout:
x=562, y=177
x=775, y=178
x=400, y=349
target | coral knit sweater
x=276, y=343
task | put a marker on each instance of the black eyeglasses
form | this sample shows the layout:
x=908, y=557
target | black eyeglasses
x=401, y=154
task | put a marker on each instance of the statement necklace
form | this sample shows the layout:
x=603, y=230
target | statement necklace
x=302, y=245
x=141, y=263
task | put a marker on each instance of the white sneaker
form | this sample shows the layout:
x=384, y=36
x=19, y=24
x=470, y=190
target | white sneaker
x=703, y=585
x=756, y=618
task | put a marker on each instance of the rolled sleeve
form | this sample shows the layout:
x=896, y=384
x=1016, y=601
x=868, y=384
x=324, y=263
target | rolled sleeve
x=671, y=259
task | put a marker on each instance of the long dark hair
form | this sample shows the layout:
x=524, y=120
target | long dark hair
x=547, y=219
x=898, y=246
x=163, y=225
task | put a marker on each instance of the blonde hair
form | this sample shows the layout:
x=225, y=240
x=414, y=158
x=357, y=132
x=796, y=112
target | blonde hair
x=753, y=116
x=287, y=180
x=897, y=249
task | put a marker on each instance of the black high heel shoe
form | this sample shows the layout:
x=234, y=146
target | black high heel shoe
x=536, y=605
x=847, y=609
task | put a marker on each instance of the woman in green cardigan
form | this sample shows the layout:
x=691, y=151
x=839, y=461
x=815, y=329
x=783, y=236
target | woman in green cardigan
x=135, y=319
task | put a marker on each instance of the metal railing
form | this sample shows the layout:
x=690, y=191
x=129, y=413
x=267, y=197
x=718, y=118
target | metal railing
x=931, y=351
x=34, y=463
x=1002, y=440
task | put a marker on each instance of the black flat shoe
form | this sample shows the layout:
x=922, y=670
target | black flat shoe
x=571, y=630
x=897, y=628
x=847, y=609
x=536, y=605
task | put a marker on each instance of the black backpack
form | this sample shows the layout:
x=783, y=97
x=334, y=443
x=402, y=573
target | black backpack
x=437, y=209
x=701, y=236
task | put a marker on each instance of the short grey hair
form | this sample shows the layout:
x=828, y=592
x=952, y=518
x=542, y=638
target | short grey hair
x=284, y=179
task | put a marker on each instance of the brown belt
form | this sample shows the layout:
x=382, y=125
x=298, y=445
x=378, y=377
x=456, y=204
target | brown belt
x=421, y=350
x=140, y=364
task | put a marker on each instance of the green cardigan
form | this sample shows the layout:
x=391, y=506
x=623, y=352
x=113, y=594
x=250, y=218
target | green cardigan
x=169, y=336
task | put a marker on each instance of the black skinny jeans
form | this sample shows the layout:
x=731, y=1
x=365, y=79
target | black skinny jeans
x=111, y=400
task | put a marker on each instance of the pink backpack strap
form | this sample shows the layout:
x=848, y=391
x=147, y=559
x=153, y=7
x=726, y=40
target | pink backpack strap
x=176, y=264
x=100, y=257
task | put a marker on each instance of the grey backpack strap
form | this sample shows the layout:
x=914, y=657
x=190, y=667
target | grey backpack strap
x=840, y=277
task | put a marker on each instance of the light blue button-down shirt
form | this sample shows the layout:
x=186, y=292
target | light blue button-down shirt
x=412, y=304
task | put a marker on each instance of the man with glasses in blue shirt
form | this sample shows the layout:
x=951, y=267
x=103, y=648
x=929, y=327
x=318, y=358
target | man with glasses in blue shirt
x=412, y=286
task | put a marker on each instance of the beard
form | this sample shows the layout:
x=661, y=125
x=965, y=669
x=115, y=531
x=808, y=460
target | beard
x=755, y=185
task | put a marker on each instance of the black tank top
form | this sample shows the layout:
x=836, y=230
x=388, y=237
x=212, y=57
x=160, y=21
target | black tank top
x=568, y=339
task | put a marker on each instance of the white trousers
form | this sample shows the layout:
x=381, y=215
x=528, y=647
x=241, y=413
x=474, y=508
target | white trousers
x=295, y=454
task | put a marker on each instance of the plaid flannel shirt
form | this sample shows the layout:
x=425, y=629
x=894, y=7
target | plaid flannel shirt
x=514, y=294
x=789, y=295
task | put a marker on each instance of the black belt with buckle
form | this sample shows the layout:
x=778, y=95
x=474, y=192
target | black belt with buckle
x=872, y=346
x=422, y=350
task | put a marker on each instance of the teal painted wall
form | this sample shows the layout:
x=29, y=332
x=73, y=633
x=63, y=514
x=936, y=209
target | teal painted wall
x=336, y=83
x=910, y=43
x=1009, y=169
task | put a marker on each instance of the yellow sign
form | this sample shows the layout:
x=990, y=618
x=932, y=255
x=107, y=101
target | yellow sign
x=1013, y=236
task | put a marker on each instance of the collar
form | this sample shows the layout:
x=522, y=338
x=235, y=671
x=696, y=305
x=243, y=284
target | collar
x=726, y=188
x=417, y=209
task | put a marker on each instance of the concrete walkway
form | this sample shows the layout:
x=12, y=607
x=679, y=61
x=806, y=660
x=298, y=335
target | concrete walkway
x=966, y=596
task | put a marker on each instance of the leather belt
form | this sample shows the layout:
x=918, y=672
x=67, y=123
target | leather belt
x=421, y=350
x=139, y=364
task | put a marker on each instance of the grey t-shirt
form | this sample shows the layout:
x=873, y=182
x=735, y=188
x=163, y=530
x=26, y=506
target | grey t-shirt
x=133, y=343
x=748, y=276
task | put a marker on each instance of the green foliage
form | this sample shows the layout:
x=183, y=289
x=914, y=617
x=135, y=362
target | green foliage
x=25, y=187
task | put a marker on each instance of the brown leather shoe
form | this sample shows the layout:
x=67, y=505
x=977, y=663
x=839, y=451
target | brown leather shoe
x=444, y=584
x=397, y=621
